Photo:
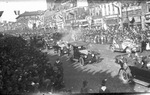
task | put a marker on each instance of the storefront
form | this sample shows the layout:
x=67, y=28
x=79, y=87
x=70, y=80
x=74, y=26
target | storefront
x=147, y=20
x=133, y=13
x=97, y=23
x=112, y=21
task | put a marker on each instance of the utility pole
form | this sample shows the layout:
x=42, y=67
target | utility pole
x=119, y=13
x=144, y=8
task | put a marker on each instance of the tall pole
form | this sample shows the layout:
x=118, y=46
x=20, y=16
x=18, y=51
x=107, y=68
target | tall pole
x=120, y=15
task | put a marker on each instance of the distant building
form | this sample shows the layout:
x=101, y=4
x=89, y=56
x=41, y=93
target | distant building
x=85, y=13
x=133, y=12
x=49, y=20
x=111, y=13
x=32, y=19
x=147, y=15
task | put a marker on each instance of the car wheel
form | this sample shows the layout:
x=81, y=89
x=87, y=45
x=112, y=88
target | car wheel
x=81, y=61
x=124, y=76
x=128, y=50
x=112, y=48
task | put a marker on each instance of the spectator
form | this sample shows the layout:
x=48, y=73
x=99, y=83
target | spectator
x=122, y=61
x=24, y=68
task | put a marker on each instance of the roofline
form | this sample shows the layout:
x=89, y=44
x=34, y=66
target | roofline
x=21, y=15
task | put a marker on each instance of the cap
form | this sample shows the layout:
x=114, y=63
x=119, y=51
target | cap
x=104, y=82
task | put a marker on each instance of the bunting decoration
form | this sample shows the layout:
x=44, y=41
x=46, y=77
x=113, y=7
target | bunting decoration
x=131, y=4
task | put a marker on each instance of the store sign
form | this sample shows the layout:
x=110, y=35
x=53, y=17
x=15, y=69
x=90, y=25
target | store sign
x=132, y=13
x=131, y=8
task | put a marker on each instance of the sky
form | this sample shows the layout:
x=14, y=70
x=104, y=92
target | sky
x=9, y=6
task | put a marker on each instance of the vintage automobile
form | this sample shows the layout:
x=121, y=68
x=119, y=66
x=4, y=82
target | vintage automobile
x=124, y=46
x=79, y=52
x=49, y=43
x=136, y=69
x=37, y=42
x=61, y=48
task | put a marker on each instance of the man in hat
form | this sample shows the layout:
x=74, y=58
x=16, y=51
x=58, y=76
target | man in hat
x=103, y=88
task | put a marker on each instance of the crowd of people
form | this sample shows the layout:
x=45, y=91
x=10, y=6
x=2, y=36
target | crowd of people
x=106, y=36
x=25, y=69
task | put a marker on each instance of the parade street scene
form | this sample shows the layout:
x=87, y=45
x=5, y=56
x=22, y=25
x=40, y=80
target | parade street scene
x=65, y=47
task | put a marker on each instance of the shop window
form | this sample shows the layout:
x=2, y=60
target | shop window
x=105, y=10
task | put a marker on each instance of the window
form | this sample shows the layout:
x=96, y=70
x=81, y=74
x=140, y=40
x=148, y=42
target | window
x=98, y=10
x=113, y=10
x=148, y=7
x=105, y=10
x=108, y=9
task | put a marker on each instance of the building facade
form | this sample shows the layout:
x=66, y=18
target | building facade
x=32, y=19
x=147, y=15
x=72, y=14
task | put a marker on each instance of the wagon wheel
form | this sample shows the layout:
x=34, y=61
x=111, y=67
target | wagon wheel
x=124, y=76
x=81, y=61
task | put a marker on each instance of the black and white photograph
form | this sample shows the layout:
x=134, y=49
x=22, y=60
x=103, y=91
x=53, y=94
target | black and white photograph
x=66, y=47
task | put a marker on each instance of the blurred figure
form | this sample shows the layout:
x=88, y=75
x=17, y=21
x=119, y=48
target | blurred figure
x=103, y=88
x=84, y=88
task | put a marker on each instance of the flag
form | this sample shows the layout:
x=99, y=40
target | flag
x=1, y=13
x=17, y=12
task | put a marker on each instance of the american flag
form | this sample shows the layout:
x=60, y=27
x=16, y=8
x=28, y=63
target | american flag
x=17, y=12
